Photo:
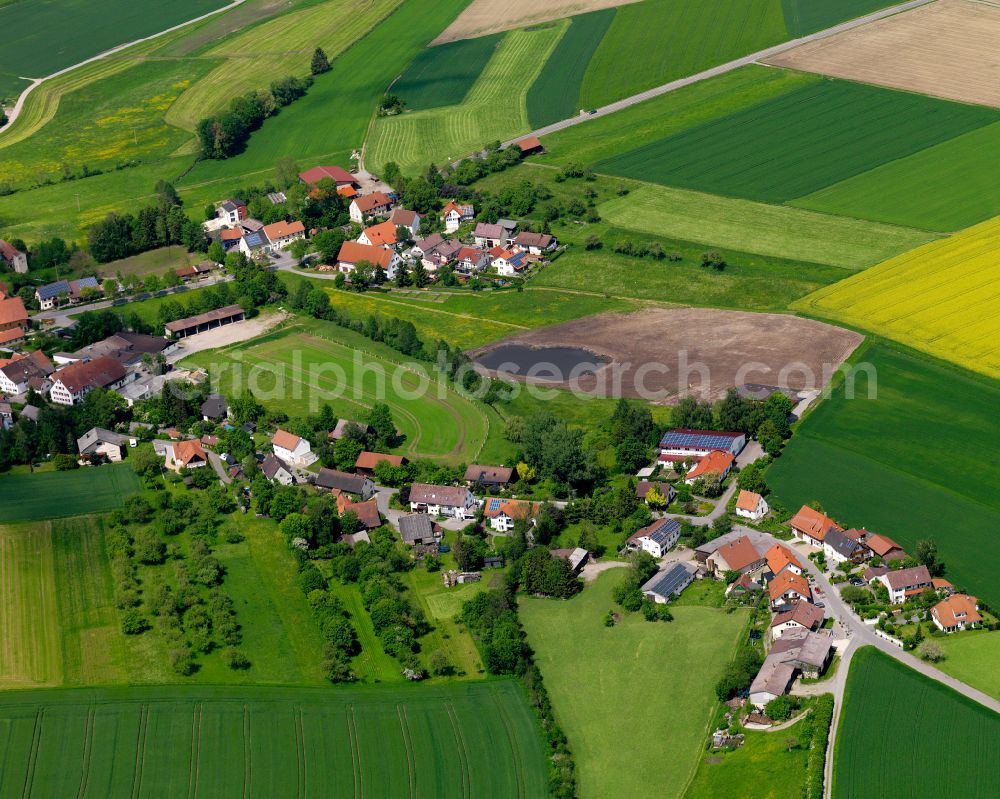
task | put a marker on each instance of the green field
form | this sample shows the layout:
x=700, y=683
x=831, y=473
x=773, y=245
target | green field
x=555, y=93
x=50, y=495
x=624, y=737
x=758, y=228
x=972, y=658
x=800, y=142
x=807, y=16
x=656, y=41
x=762, y=768
x=302, y=367
x=153, y=262
x=881, y=462
x=494, y=108
x=474, y=739
x=43, y=37
x=884, y=700
x=910, y=191
x=444, y=74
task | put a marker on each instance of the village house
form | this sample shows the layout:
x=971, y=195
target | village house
x=199, y=323
x=752, y=506
x=13, y=258
x=838, y=548
x=715, y=464
x=665, y=585
x=375, y=204
x=419, y=529
x=366, y=512
x=185, y=455
x=255, y=244
x=801, y=616
x=788, y=588
x=200, y=269
x=503, y=513
x=488, y=476
x=471, y=260
x=885, y=548
x=98, y=441
x=72, y=383
x=352, y=253
x=292, y=449
x=437, y=500
x=127, y=348
x=696, y=444
x=454, y=214
x=340, y=176
x=796, y=652
x=381, y=235
x=230, y=238
x=535, y=243
x=367, y=461
x=501, y=234
x=214, y=408
x=760, y=541
x=435, y=251
x=400, y=217
x=642, y=489
x=13, y=321
x=281, y=234
x=26, y=371
x=657, y=538
x=743, y=585
x=905, y=583
x=51, y=295
x=345, y=483
x=779, y=559
x=275, y=470
x=740, y=556
x=508, y=263
x=232, y=212
x=955, y=613
x=810, y=526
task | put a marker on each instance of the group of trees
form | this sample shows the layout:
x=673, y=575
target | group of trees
x=121, y=235
x=767, y=420
x=494, y=159
x=335, y=622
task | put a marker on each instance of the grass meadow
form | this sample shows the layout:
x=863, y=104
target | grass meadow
x=471, y=739
x=555, y=94
x=972, y=657
x=799, y=142
x=444, y=74
x=915, y=463
x=595, y=676
x=49, y=495
x=942, y=298
x=921, y=710
x=656, y=41
x=153, y=262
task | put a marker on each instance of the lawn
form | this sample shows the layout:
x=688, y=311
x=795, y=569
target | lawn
x=800, y=142
x=29, y=497
x=473, y=739
x=595, y=675
x=153, y=262
x=494, y=108
x=972, y=658
x=444, y=74
x=803, y=17
x=758, y=228
x=656, y=41
x=305, y=366
x=943, y=298
x=763, y=768
x=884, y=699
x=880, y=462
x=555, y=94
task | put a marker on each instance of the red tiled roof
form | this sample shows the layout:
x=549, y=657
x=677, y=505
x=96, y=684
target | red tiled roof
x=369, y=460
x=739, y=553
x=351, y=252
x=12, y=312
x=382, y=233
x=957, y=609
x=279, y=230
x=788, y=581
x=715, y=461
x=187, y=451
x=336, y=173
x=15, y=333
x=748, y=500
x=284, y=439
x=529, y=143
x=97, y=373
x=812, y=522
x=778, y=557
x=367, y=202
x=230, y=234
x=882, y=545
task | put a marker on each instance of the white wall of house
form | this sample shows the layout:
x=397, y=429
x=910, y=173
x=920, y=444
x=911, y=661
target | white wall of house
x=757, y=513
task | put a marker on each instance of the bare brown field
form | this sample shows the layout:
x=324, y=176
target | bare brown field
x=946, y=49
x=662, y=353
x=482, y=17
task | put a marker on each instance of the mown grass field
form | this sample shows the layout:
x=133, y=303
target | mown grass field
x=890, y=463
x=556, y=91
x=655, y=41
x=494, y=108
x=762, y=768
x=759, y=228
x=444, y=74
x=305, y=366
x=885, y=698
x=807, y=16
x=471, y=739
x=153, y=262
x=799, y=142
x=594, y=675
x=943, y=298
x=972, y=658
x=30, y=497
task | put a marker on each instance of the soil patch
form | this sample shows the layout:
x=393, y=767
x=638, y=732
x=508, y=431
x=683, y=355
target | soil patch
x=945, y=49
x=482, y=17
x=663, y=353
x=530, y=360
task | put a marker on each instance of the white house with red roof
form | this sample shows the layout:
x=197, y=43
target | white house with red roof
x=716, y=462
x=72, y=383
x=381, y=235
x=471, y=260
x=13, y=257
x=504, y=513
x=810, y=525
x=292, y=449
x=401, y=217
x=955, y=613
x=454, y=214
x=352, y=253
x=375, y=204
x=751, y=505
x=281, y=234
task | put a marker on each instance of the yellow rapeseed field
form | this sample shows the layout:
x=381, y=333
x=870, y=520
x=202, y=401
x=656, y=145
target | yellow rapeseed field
x=942, y=298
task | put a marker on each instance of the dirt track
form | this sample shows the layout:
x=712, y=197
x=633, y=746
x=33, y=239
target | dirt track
x=660, y=354
x=482, y=17
x=945, y=49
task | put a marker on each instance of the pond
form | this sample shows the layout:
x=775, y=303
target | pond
x=549, y=362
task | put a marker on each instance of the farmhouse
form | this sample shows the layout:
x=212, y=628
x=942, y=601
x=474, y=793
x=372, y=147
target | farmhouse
x=839, y=548
x=400, y=217
x=281, y=234
x=275, y=470
x=232, y=212
x=751, y=506
x=346, y=483
x=698, y=443
x=488, y=476
x=26, y=371
x=779, y=559
x=13, y=320
x=98, y=441
x=535, y=243
x=71, y=383
x=885, y=548
x=739, y=555
x=199, y=323
x=185, y=455
x=810, y=526
x=454, y=214
x=906, y=583
x=760, y=542
x=955, y=613
x=13, y=258
x=665, y=585
x=381, y=235
x=366, y=512
x=340, y=176
x=292, y=449
x=352, y=253
x=801, y=616
x=437, y=500
x=125, y=347
x=367, y=461
x=657, y=538
x=418, y=529
x=715, y=464
x=49, y=296
x=643, y=487
x=788, y=588
x=375, y=204
x=795, y=652
x=503, y=513
x=499, y=235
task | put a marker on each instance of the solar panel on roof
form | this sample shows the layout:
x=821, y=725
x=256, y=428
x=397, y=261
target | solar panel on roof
x=670, y=581
x=494, y=504
x=673, y=438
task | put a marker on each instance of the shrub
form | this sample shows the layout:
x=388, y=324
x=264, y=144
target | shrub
x=780, y=708
x=441, y=664
x=182, y=661
x=133, y=622
x=931, y=651
x=65, y=463
x=235, y=658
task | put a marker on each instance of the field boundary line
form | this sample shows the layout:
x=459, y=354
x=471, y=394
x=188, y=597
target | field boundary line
x=408, y=746
x=88, y=748
x=140, y=750
x=463, y=751
x=352, y=734
x=300, y=743
x=36, y=743
x=247, y=765
x=514, y=753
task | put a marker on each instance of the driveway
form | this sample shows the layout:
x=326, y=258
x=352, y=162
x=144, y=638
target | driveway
x=220, y=467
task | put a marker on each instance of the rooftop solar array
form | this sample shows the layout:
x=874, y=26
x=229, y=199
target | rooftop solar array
x=669, y=581
x=706, y=439
x=663, y=531
x=53, y=290
x=494, y=504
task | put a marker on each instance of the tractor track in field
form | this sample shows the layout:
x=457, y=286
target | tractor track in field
x=300, y=743
x=404, y=728
x=140, y=750
x=463, y=751
x=247, y=757
x=352, y=734
x=514, y=754
x=36, y=743
x=88, y=749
